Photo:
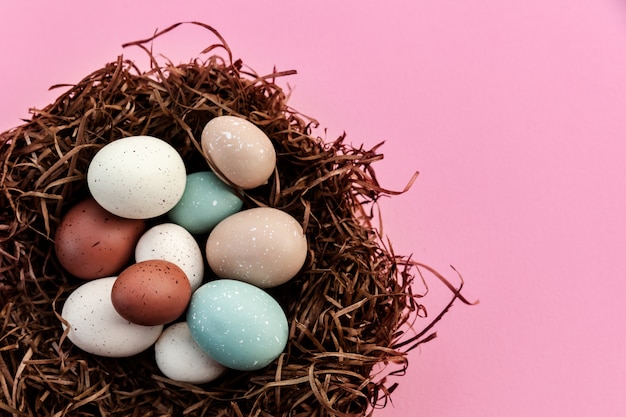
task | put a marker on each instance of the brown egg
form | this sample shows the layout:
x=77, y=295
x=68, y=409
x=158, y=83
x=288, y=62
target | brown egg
x=92, y=243
x=151, y=292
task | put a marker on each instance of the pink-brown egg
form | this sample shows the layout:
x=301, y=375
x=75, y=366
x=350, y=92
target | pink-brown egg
x=151, y=292
x=92, y=243
x=240, y=151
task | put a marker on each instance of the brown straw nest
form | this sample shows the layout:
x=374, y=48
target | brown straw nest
x=349, y=309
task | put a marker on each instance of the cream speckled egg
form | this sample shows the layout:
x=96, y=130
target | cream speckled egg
x=180, y=358
x=263, y=246
x=97, y=328
x=173, y=243
x=240, y=151
x=137, y=177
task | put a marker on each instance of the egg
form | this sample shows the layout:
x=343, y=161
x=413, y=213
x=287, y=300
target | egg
x=151, y=292
x=207, y=200
x=179, y=357
x=239, y=150
x=263, y=246
x=237, y=324
x=92, y=243
x=173, y=243
x=137, y=177
x=97, y=328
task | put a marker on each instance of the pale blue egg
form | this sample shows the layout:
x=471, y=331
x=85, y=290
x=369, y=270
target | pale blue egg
x=239, y=325
x=206, y=201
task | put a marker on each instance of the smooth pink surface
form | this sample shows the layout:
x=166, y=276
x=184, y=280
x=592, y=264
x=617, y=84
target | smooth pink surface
x=513, y=112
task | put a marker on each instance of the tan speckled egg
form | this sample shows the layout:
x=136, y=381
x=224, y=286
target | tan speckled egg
x=240, y=151
x=137, y=177
x=263, y=246
x=151, y=292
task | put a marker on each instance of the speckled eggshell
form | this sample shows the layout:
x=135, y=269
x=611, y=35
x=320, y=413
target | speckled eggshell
x=173, y=243
x=137, y=177
x=179, y=357
x=237, y=324
x=92, y=243
x=151, y=292
x=263, y=246
x=207, y=200
x=95, y=326
x=240, y=151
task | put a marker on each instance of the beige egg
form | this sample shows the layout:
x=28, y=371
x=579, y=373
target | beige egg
x=263, y=246
x=239, y=150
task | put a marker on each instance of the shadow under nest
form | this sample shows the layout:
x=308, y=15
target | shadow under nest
x=348, y=309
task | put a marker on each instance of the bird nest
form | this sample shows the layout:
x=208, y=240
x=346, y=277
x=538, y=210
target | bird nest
x=350, y=309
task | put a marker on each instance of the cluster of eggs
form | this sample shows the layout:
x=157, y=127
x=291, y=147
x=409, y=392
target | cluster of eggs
x=146, y=287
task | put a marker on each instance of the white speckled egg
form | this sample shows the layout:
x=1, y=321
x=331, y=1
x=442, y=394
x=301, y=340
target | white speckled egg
x=240, y=151
x=97, y=328
x=180, y=358
x=173, y=243
x=137, y=177
x=239, y=325
x=263, y=246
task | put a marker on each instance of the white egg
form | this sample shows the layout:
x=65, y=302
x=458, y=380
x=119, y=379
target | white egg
x=173, y=243
x=180, y=358
x=137, y=177
x=240, y=151
x=263, y=246
x=95, y=326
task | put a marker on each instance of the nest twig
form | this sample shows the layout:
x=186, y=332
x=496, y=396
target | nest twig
x=348, y=309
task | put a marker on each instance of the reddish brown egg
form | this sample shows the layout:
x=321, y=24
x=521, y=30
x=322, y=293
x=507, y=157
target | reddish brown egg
x=92, y=243
x=151, y=292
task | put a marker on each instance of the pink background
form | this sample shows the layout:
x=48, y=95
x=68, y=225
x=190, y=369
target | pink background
x=513, y=112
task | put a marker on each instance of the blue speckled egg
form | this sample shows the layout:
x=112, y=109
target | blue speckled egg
x=237, y=324
x=206, y=201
